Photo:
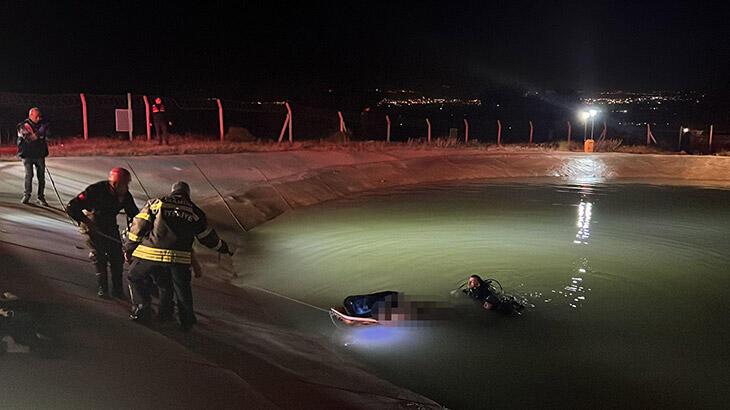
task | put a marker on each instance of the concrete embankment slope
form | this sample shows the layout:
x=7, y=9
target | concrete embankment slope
x=261, y=186
x=240, y=352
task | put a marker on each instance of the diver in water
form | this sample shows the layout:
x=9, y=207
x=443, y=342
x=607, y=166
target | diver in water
x=479, y=290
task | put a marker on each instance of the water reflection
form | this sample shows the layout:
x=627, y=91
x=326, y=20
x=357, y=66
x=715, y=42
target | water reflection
x=575, y=293
x=585, y=213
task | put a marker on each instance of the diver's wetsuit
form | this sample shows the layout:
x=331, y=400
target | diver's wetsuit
x=482, y=294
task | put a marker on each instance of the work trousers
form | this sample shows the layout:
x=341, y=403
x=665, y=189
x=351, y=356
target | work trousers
x=106, y=252
x=161, y=130
x=40, y=170
x=171, y=279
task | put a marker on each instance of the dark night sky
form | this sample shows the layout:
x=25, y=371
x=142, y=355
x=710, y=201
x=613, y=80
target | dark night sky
x=276, y=47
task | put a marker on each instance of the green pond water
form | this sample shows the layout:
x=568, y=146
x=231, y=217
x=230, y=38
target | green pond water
x=626, y=285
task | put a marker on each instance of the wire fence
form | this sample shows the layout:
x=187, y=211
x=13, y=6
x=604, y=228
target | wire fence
x=265, y=120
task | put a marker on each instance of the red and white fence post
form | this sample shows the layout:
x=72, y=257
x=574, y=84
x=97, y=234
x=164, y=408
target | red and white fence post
x=147, y=116
x=220, y=119
x=570, y=131
x=85, y=116
x=287, y=124
x=291, y=121
x=711, y=129
x=343, y=127
x=466, y=131
x=532, y=129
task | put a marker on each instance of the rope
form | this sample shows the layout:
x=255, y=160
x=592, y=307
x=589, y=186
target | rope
x=287, y=298
x=240, y=225
x=138, y=180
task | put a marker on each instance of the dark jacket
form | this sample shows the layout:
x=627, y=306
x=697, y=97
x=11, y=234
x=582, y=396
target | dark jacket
x=165, y=229
x=482, y=294
x=32, y=142
x=500, y=303
x=102, y=206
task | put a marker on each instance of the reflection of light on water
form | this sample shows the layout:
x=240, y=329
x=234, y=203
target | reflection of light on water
x=575, y=292
x=585, y=213
x=376, y=337
x=584, y=170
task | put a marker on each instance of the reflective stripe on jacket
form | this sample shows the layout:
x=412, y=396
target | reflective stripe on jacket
x=164, y=231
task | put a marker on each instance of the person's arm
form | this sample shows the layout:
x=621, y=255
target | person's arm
x=195, y=264
x=25, y=133
x=208, y=237
x=76, y=206
x=142, y=224
x=130, y=208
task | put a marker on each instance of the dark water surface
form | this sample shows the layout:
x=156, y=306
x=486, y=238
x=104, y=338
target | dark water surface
x=627, y=283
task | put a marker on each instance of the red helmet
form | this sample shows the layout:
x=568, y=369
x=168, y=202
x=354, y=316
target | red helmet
x=118, y=174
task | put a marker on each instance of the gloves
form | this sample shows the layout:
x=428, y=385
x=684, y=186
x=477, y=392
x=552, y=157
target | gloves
x=224, y=248
x=89, y=226
x=128, y=255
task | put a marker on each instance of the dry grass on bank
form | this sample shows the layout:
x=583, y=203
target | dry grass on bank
x=99, y=146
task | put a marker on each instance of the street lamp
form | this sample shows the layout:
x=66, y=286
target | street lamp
x=593, y=114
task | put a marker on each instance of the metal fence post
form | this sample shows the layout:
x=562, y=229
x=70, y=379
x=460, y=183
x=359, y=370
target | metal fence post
x=85, y=115
x=387, y=132
x=679, y=143
x=531, y=132
x=711, y=129
x=570, y=130
x=648, y=134
x=428, y=122
x=499, y=133
x=284, y=127
x=129, y=117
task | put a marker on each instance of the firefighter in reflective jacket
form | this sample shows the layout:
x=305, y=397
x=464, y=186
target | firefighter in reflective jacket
x=95, y=210
x=159, y=247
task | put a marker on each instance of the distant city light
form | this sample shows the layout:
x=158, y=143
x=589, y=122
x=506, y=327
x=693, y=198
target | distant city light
x=593, y=112
x=420, y=101
x=685, y=129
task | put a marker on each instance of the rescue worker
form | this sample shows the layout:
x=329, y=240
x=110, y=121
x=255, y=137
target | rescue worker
x=159, y=119
x=33, y=150
x=96, y=211
x=479, y=291
x=159, y=247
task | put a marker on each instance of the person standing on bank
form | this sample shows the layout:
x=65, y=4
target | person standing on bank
x=159, y=248
x=96, y=211
x=33, y=150
x=160, y=121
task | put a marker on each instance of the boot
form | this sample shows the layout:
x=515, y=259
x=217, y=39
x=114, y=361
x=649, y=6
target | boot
x=25, y=200
x=102, y=285
x=42, y=201
x=140, y=313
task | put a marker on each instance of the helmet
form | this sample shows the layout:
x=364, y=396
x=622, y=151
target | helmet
x=120, y=175
x=180, y=188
